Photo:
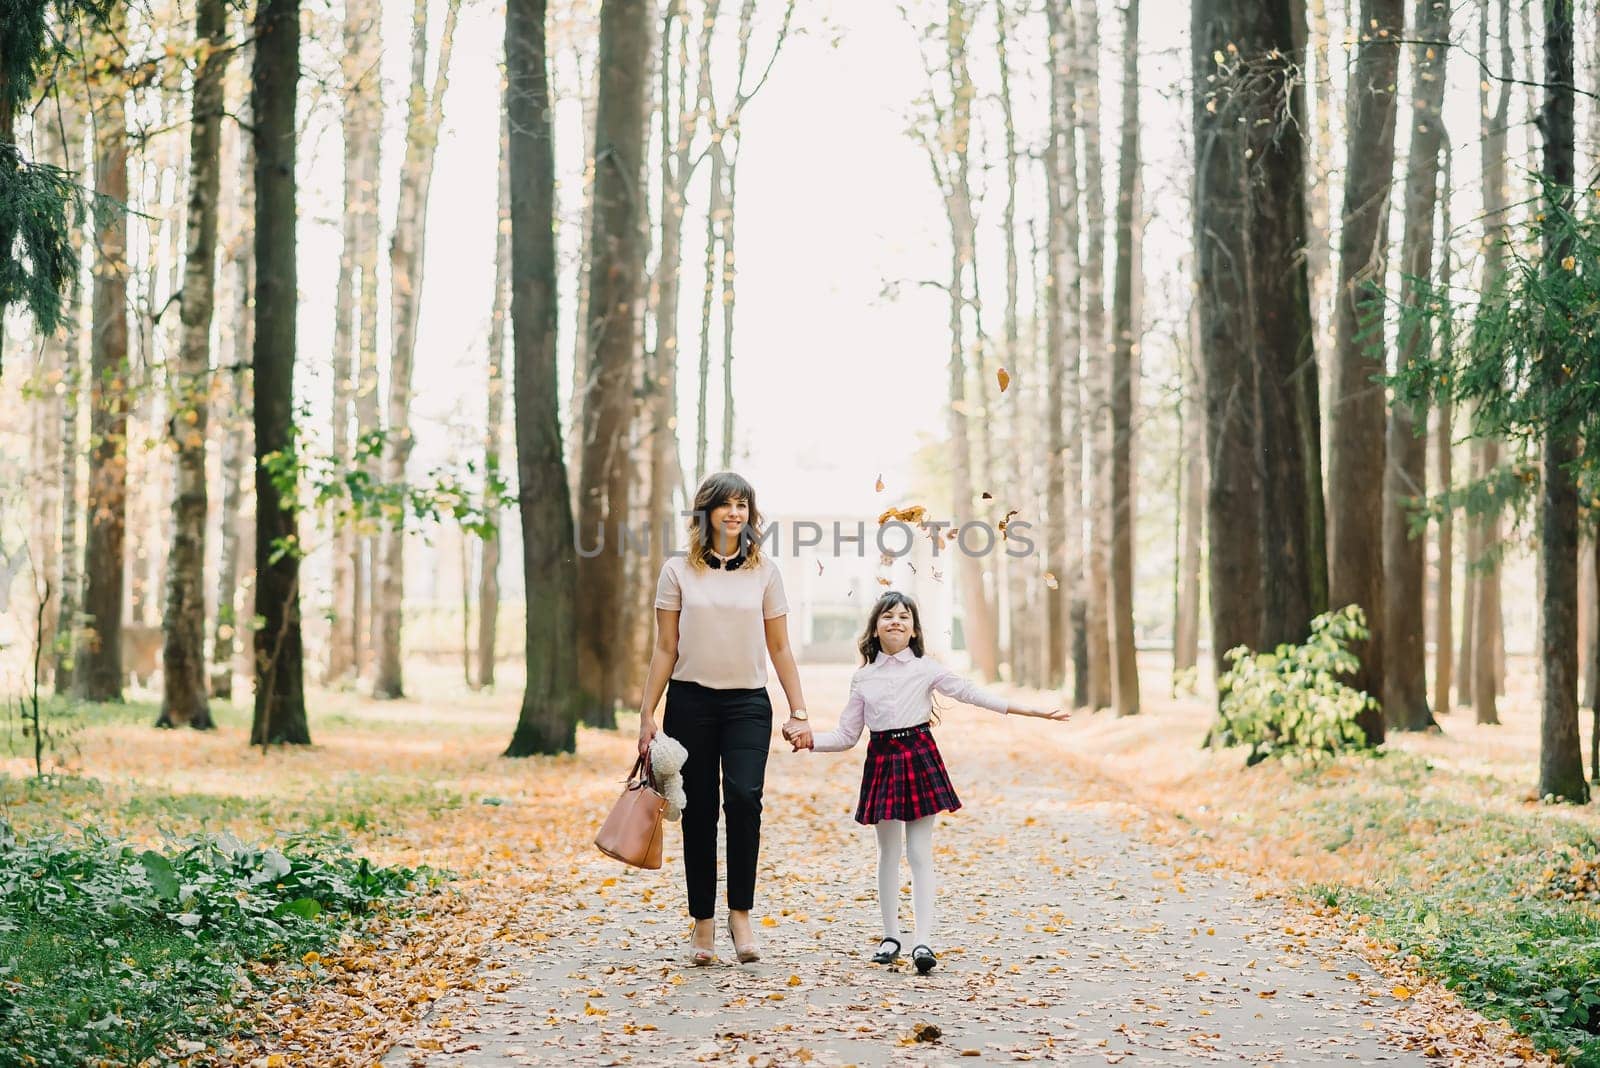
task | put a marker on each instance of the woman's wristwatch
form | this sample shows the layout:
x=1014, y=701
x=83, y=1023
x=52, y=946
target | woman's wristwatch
x=799, y=714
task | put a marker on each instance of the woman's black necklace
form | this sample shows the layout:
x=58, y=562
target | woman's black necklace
x=717, y=562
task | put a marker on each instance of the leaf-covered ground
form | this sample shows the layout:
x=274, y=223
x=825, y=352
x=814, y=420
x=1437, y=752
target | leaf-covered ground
x=1109, y=892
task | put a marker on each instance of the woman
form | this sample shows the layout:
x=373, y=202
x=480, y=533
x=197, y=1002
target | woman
x=720, y=612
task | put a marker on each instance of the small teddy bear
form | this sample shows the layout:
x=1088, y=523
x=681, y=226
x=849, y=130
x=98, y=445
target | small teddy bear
x=667, y=757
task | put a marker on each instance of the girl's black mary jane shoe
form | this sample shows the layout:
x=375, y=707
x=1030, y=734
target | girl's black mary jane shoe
x=885, y=955
x=924, y=959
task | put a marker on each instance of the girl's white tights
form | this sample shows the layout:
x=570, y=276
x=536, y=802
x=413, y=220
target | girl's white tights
x=919, y=851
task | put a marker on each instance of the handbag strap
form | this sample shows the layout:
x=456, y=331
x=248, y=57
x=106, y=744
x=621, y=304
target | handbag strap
x=642, y=771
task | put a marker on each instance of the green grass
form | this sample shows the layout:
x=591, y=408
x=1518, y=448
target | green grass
x=1468, y=890
x=363, y=805
x=118, y=993
x=110, y=953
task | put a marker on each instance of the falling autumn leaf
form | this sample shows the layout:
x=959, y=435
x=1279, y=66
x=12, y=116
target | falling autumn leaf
x=880, y=484
x=913, y=515
x=1005, y=379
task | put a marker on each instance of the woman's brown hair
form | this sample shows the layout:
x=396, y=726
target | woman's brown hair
x=719, y=489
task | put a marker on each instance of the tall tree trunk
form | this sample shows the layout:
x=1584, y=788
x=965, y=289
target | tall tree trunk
x=706, y=106
x=1469, y=600
x=494, y=432
x=1125, y=673
x=1096, y=427
x=1288, y=382
x=65, y=133
x=1487, y=637
x=953, y=164
x=364, y=550
x=547, y=722
x=98, y=671
x=614, y=294
x=236, y=439
x=236, y=447
x=1037, y=416
x=1444, y=458
x=1472, y=550
x=1074, y=344
x=424, y=114
x=360, y=81
x=43, y=487
x=1222, y=217
x=678, y=123
x=702, y=412
x=1011, y=570
x=185, y=699
x=1295, y=580
x=143, y=402
x=10, y=162
x=582, y=342
x=725, y=236
x=1061, y=281
x=1486, y=614
x=1319, y=252
x=1592, y=659
x=1560, y=751
x=1586, y=615
x=1356, y=460
x=1186, y=628
x=1405, y=658
x=67, y=584
x=280, y=705
x=52, y=392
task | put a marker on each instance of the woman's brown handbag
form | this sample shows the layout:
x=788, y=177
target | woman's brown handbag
x=632, y=833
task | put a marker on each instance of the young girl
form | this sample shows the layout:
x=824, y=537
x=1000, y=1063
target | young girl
x=904, y=783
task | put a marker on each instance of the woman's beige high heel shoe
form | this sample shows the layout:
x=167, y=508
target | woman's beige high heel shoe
x=748, y=953
x=700, y=956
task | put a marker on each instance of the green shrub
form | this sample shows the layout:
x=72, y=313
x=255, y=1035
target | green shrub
x=110, y=952
x=1291, y=702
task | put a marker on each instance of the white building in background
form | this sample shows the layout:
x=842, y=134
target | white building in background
x=833, y=579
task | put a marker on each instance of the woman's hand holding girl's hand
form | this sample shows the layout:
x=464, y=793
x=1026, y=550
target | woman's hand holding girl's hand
x=801, y=738
x=647, y=731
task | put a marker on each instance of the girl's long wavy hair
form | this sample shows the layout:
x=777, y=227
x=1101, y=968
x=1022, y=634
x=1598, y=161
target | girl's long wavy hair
x=719, y=489
x=868, y=646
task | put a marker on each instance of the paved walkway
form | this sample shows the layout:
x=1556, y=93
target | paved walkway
x=1062, y=937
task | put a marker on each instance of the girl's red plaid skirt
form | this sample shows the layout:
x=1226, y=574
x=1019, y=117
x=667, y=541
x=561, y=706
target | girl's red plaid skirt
x=904, y=777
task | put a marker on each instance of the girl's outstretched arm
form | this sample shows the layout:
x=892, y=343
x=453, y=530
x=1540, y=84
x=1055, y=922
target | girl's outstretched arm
x=968, y=692
x=851, y=722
